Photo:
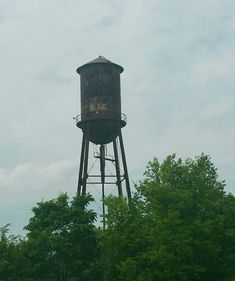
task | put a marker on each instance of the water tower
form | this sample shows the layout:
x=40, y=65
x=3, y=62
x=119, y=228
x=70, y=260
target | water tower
x=101, y=121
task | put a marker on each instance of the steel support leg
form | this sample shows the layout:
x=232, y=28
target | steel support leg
x=85, y=175
x=128, y=190
x=117, y=166
x=102, y=172
x=80, y=177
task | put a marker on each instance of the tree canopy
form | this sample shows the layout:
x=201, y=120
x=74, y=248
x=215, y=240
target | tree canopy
x=179, y=225
x=61, y=242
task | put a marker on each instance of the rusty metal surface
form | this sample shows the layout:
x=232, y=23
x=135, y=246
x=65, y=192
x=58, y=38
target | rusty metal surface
x=86, y=117
x=101, y=99
x=100, y=60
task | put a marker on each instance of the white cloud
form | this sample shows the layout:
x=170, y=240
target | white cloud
x=33, y=181
x=27, y=183
x=217, y=109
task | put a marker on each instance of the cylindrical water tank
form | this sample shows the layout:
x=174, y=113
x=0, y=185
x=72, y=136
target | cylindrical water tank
x=101, y=100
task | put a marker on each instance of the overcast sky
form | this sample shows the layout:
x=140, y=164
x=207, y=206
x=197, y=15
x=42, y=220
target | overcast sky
x=178, y=88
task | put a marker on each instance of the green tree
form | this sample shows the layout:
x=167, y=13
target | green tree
x=61, y=241
x=179, y=226
x=12, y=261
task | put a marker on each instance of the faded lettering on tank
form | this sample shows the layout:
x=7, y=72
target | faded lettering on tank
x=98, y=107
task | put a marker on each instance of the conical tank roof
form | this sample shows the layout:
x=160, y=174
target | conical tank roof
x=100, y=60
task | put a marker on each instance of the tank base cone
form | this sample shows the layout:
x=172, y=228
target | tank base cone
x=102, y=131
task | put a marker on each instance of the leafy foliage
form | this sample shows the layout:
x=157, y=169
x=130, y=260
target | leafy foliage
x=11, y=259
x=61, y=242
x=180, y=225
